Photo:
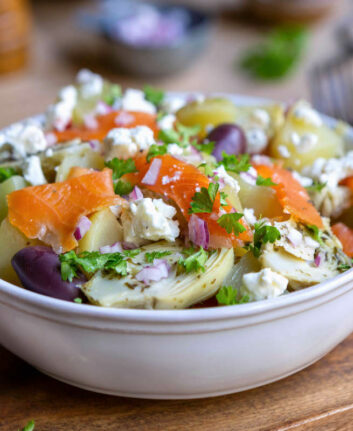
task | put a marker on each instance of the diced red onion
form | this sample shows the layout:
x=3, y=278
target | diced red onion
x=95, y=145
x=115, y=248
x=295, y=237
x=103, y=108
x=260, y=159
x=82, y=227
x=317, y=259
x=124, y=119
x=129, y=245
x=248, y=178
x=136, y=194
x=51, y=139
x=156, y=272
x=90, y=121
x=198, y=231
x=151, y=175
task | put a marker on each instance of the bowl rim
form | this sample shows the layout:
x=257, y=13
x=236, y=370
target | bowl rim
x=204, y=314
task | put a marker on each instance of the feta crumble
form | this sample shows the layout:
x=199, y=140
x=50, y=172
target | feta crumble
x=256, y=140
x=283, y=151
x=264, y=284
x=226, y=179
x=124, y=143
x=151, y=220
x=175, y=150
x=59, y=115
x=261, y=118
x=90, y=84
x=32, y=171
x=23, y=139
x=304, y=142
x=249, y=216
x=134, y=100
x=167, y=122
x=303, y=111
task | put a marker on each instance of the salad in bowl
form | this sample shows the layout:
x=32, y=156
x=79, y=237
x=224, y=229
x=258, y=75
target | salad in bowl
x=141, y=199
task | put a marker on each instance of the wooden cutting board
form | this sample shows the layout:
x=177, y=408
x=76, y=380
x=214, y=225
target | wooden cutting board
x=318, y=398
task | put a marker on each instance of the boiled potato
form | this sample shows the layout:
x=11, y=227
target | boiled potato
x=10, y=185
x=300, y=141
x=11, y=240
x=210, y=112
x=105, y=230
x=261, y=198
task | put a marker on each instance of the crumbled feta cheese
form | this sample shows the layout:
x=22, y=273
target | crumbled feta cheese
x=171, y=103
x=151, y=220
x=283, y=151
x=305, y=112
x=260, y=118
x=90, y=84
x=264, y=284
x=304, y=142
x=175, y=150
x=125, y=143
x=134, y=100
x=256, y=140
x=32, y=171
x=23, y=139
x=304, y=181
x=226, y=179
x=167, y=122
x=249, y=216
x=249, y=176
x=59, y=115
x=68, y=94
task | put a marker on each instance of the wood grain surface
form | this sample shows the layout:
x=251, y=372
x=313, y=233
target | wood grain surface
x=319, y=398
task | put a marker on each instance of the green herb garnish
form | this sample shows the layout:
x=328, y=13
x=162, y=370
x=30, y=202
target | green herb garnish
x=277, y=55
x=316, y=233
x=121, y=167
x=231, y=224
x=316, y=187
x=29, y=426
x=263, y=234
x=234, y=163
x=207, y=168
x=114, y=94
x=156, y=150
x=123, y=188
x=261, y=181
x=153, y=95
x=181, y=135
x=195, y=260
x=229, y=296
x=6, y=173
x=202, y=202
x=150, y=257
x=205, y=147
x=78, y=300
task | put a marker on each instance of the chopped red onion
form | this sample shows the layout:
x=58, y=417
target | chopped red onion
x=129, y=245
x=90, y=121
x=95, y=145
x=124, y=119
x=198, y=231
x=317, y=260
x=248, y=178
x=114, y=248
x=260, y=159
x=103, y=108
x=294, y=237
x=156, y=272
x=136, y=194
x=51, y=139
x=151, y=175
x=82, y=227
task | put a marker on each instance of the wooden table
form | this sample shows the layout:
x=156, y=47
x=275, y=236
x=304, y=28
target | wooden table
x=319, y=398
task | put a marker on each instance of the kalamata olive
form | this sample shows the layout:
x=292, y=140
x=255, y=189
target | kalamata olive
x=228, y=138
x=38, y=268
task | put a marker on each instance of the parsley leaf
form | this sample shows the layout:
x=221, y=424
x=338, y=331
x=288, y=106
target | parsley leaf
x=181, y=135
x=229, y=296
x=150, y=257
x=205, y=147
x=113, y=94
x=207, y=168
x=277, y=55
x=156, y=150
x=78, y=300
x=316, y=187
x=231, y=224
x=90, y=262
x=316, y=233
x=224, y=196
x=153, y=95
x=6, y=173
x=29, y=426
x=123, y=188
x=202, y=202
x=195, y=260
x=344, y=267
x=121, y=167
x=263, y=234
x=234, y=163
x=261, y=181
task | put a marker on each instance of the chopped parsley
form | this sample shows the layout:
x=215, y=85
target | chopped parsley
x=262, y=234
x=78, y=300
x=316, y=187
x=229, y=296
x=205, y=147
x=121, y=167
x=180, y=136
x=207, y=168
x=29, y=426
x=194, y=260
x=153, y=95
x=230, y=222
x=234, y=163
x=113, y=94
x=151, y=256
x=316, y=233
x=202, y=202
x=261, y=181
x=156, y=150
x=90, y=262
x=123, y=188
x=224, y=196
x=344, y=267
x=6, y=173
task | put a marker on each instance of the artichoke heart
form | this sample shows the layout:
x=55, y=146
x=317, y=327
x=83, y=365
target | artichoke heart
x=179, y=290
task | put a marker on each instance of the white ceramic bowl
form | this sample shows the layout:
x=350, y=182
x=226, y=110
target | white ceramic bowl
x=179, y=353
